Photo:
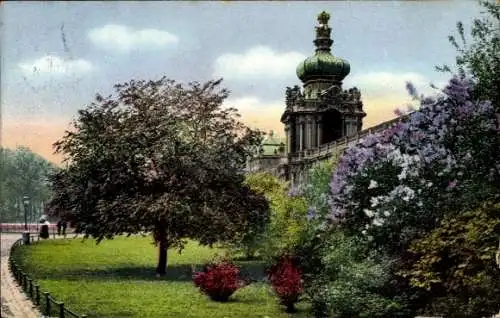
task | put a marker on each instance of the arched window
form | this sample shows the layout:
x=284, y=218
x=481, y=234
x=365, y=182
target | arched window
x=332, y=126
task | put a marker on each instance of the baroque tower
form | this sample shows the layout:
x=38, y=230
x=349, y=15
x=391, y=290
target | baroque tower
x=321, y=112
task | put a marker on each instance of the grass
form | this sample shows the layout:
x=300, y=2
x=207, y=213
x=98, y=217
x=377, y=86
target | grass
x=117, y=279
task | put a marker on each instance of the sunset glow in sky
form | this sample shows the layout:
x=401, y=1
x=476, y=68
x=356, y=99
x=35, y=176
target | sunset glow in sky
x=57, y=55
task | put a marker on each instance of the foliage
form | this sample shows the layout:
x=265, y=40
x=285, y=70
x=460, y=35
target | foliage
x=394, y=186
x=251, y=241
x=456, y=264
x=114, y=279
x=316, y=190
x=313, y=240
x=286, y=280
x=23, y=173
x=351, y=281
x=294, y=210
x=159, y=157
x=481, y=58
x=339, y=278
x=288, y=214
x=219, y=280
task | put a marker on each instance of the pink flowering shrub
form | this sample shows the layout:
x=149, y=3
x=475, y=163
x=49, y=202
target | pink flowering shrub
x=219, y=280
x=395, y=184
x=286, y=280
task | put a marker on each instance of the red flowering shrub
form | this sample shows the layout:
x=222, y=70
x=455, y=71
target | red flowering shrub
x=219, y=280
x=286, y=281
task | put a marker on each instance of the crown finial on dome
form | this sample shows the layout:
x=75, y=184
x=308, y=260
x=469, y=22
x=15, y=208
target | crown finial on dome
x=323, y=18
x=323, y=42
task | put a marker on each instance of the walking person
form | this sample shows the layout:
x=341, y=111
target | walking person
x=64, y=225
x=44, y=229
x=59, y=225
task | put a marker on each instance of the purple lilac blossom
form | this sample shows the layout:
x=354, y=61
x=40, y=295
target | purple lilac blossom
x=438, y=119
x=452, y=184
x=311, y=213
x=295, y=191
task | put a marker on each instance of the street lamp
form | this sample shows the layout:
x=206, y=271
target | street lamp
x=26, y=234
x=26, y=202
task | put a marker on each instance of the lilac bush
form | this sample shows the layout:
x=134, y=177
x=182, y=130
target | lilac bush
x=397, y=182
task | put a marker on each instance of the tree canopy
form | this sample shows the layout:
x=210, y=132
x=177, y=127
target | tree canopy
x=480, y=58
x=161, y=157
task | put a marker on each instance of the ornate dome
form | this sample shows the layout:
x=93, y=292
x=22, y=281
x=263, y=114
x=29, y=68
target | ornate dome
x=323, y=65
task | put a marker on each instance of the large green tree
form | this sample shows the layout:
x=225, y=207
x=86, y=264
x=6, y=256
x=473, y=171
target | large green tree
x=479, y=57
x=161, y=157
x=23, y=173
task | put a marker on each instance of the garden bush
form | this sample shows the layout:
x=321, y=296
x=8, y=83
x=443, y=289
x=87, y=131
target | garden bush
x=219, y=280
x=456, y=264
x=352, y=282
x=286, y=281
x=287, y=217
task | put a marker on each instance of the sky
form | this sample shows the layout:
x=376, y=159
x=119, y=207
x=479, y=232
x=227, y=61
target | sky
x=55, y=56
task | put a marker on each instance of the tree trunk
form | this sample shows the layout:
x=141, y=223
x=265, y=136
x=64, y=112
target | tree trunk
x=161, y=239
x=161, y=268
x=290, y=308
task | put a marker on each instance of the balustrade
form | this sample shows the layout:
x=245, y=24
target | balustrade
x=326, y=149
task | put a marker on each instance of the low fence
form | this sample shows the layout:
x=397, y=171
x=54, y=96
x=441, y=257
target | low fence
x=33, y=228
x=19, y=227
x=46, y=303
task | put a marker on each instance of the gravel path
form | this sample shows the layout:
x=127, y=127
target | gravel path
x=13, y=302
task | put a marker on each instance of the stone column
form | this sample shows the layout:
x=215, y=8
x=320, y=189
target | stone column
x=288, y=139
x=305, y=127
x=301, y=135
x=348, y=125
x=319, y=134
x=314, y=132
x=309, y=133
x=297, y=136
x=304, y=135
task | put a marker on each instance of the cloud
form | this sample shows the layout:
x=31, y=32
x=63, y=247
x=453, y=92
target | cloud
x=123, y=39
x=54, y=65
x=383, y=92
x=387, y=84
x=258, y=62
x=255, y=113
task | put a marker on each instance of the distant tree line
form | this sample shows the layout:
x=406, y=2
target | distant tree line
x=23, y=173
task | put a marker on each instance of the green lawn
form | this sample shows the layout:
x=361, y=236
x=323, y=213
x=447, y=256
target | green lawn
x=117, y=279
